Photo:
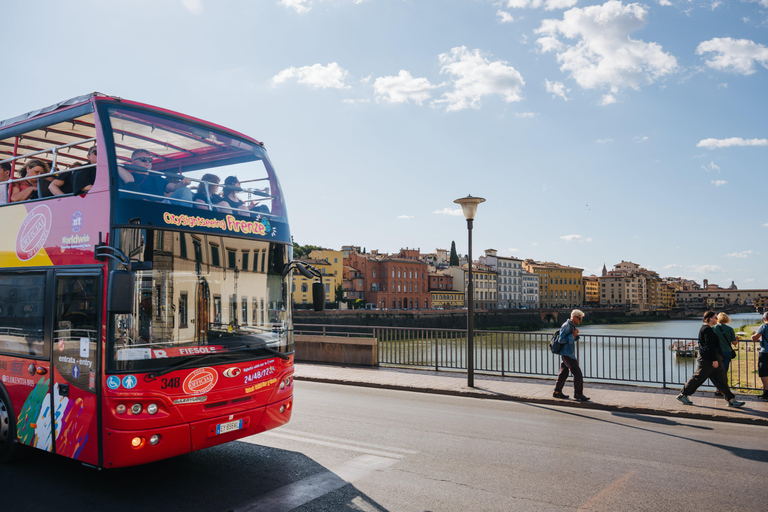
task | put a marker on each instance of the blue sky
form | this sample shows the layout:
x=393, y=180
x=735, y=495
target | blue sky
x=596, y=131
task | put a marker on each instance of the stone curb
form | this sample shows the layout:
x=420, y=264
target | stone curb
x=747, y=420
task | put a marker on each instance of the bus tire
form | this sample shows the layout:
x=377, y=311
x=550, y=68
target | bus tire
x=10, y=450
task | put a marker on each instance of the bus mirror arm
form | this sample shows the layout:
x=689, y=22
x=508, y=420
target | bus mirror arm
x=310, y=272
x=102, y=251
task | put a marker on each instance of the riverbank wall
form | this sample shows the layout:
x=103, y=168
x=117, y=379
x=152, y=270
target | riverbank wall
x=500, y=319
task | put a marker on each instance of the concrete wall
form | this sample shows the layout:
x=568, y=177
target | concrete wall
x=336, y=349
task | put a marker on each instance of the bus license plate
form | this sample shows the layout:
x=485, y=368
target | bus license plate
x=229, y=426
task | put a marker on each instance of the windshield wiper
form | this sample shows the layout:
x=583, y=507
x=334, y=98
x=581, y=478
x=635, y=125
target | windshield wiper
x=195, y=359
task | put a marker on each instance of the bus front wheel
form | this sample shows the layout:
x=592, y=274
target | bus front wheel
x=9, y=449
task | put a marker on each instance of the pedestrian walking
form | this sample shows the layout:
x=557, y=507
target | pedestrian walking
x=761, y=335
x=709, y=365
x=569, y=335
x=727, y=338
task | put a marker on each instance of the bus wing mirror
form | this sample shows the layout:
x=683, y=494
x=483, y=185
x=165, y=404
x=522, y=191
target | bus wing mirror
x=121, y=285
x=318, y=296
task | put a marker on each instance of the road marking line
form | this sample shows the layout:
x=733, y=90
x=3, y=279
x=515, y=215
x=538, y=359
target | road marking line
x=608, y=490
x=299, y=493
x=349, y=441
x=255, y=440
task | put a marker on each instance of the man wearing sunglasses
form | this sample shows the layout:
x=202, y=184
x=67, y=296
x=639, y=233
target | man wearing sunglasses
x=135, y=176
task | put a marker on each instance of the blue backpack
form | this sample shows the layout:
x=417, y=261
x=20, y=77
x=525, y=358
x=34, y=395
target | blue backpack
x=555, y=346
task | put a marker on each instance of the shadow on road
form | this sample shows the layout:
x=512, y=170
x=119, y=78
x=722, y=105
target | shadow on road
x=230, y=477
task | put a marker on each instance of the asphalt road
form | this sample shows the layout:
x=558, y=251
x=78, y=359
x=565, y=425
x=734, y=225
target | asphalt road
x=371, y=450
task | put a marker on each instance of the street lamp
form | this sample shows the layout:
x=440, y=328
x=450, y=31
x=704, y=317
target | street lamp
x=469, y=207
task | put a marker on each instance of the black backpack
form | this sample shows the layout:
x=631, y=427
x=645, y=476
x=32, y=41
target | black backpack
x=555, y=346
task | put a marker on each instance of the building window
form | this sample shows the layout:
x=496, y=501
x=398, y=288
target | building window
x=183, y=312
x=232, y=257
x=245, y=260
x=215, y=255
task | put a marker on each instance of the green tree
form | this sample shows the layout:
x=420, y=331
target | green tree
x=302, y=251
x=339, y=293
x=454, y=260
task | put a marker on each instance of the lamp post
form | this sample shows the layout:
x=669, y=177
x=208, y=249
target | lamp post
x=469, y=207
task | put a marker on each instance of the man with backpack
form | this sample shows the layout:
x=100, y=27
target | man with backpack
x=762, y=362
x=569, y=335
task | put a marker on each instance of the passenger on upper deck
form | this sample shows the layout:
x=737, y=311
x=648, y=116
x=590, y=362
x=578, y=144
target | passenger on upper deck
x=134, y=176
x=5, y=175
x=79, y=181
x=27, y=189
x=201, y=197
x=229, y=195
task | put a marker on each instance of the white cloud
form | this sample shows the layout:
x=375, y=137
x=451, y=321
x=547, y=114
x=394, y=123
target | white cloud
x=513, y=250
x=597, y=51
x=301, y=6
x=193, y=6
x=734, y=55
x=672, y=265
x=732, y=141
x=742, y=254
x=765, y=225
x=603, y=141
x=665, y=3
x=525, y=115
x=711, y=167
x=639, y=139
x=450, y=211
x=706, y=269
x=719, y=183
x=402, y=88
x=607, y=99
x=549, y=5
x=504, y=17
x=318, y=76
x=405, y=217
x=474, y=77
x=575, y=238
x=557, y=89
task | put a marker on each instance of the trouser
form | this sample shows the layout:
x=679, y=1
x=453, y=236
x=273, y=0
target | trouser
x=704, y=371
x=567, y=364
x=726, y=362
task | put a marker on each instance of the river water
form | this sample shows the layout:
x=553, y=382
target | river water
x=684, y=328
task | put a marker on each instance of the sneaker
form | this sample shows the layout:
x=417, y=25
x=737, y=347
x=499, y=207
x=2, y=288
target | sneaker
x=735, y=403
x=581, y=398
x=559, y=394
x=684, y=399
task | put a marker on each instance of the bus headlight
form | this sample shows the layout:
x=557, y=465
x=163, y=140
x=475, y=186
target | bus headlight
x=152, y=409
x=120, y=409
x=154, y=439
x=136, y=408
x=137, y=442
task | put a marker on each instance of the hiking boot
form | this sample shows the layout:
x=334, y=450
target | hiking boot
x=735, y=403
x=559, y=394
x=581, y=398
x=684, y=399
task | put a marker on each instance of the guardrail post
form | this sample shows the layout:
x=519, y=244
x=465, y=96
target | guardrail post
x=664, y=364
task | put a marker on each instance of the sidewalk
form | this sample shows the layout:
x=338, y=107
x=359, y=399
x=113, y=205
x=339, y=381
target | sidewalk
x=609, y=397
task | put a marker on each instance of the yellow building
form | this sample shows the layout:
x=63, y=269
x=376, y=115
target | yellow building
x=447, y=299
x=591, y=290
x=560, y=286
x=330, y=264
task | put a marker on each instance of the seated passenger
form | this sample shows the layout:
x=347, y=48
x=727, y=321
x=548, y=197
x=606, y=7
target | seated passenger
x=135, y=176
x=27, y=189
x=229, y=195
x=82, y=179
x=182, y=191
x=5, y=174
x=211, y=180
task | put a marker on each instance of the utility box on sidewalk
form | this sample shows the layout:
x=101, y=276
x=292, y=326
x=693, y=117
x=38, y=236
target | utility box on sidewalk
x=336, y=349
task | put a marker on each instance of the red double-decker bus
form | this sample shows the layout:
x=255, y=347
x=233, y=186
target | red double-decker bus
x=144, y=284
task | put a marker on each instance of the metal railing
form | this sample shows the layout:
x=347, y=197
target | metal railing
x=614, y=359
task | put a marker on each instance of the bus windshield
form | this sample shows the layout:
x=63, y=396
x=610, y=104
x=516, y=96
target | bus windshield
x=175, y=172
x=198, y=295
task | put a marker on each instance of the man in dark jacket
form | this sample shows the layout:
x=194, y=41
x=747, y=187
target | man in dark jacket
x=709, y=365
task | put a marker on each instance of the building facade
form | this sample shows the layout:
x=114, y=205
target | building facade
x=560, y=286
x=530, y=289
x=390, y=282
x=508, y=269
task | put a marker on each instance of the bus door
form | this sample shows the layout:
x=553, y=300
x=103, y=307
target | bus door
x=76, y=355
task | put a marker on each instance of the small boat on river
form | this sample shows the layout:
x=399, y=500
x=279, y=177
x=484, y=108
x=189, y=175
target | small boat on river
x=684, y=348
